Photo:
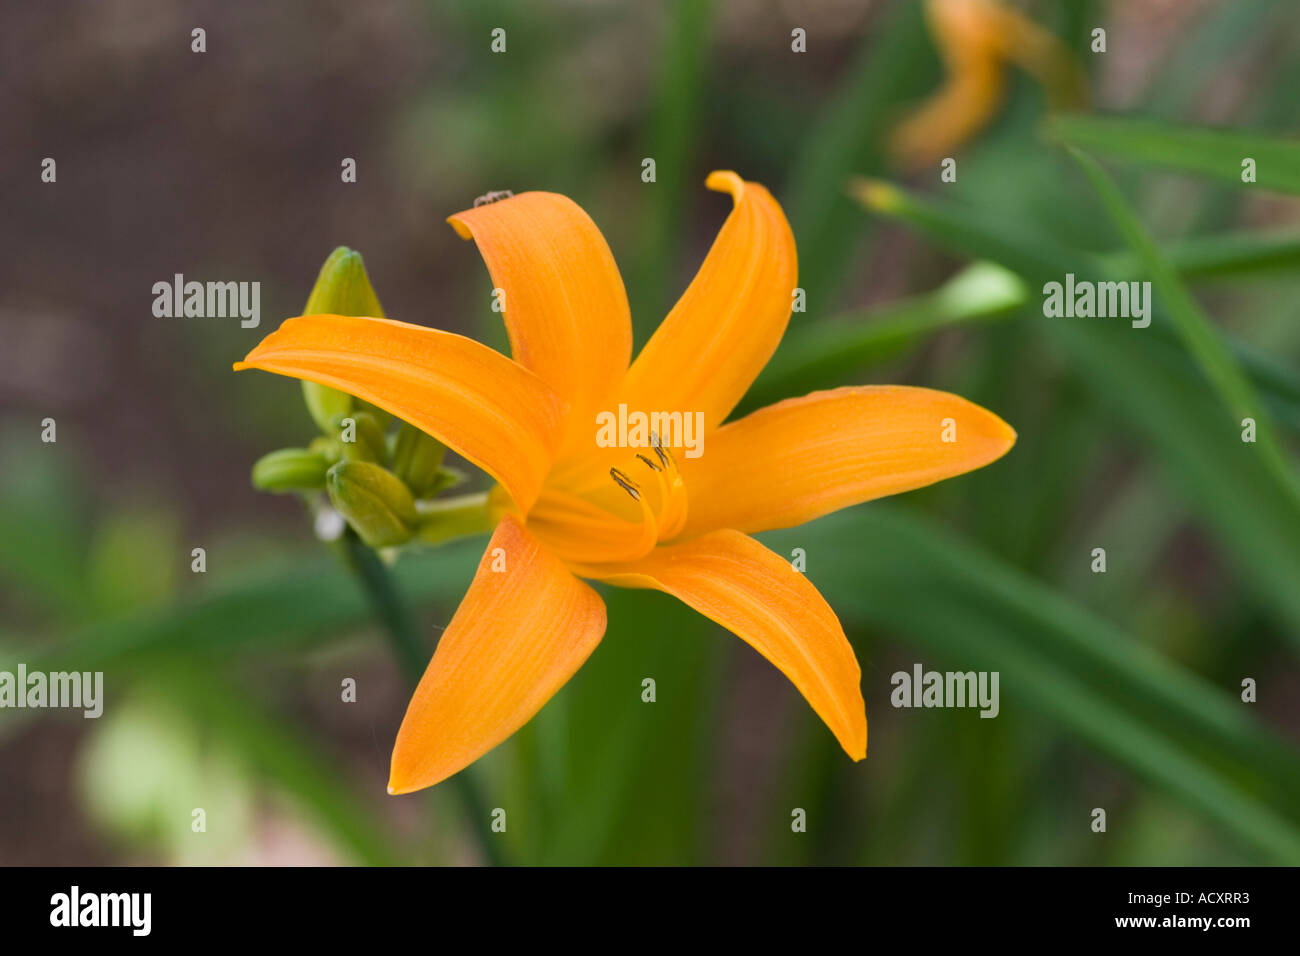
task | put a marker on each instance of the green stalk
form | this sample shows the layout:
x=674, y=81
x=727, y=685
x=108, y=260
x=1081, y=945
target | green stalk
x=445, y=519
x=399, y=627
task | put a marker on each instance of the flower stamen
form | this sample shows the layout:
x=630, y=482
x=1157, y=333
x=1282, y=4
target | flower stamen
x=625, y=483
x=657, y=445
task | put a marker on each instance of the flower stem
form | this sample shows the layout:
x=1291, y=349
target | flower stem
x=444, y=519
x=399, y=627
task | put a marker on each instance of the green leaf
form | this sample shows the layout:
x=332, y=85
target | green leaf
x=814, y=355
x=1217, y=153
x=1164, y=723
x=1151, y=387
x=1193, y=326
x=671, y=142
x=896, y=65
x=1227, y=254
x=1236, y=496
x=270, y=609
x=1039, y=258
x=821, y=354
x=633, y=779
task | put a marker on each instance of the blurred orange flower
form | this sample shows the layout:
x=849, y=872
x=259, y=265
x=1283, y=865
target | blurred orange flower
x=976, y=40
x=569, y=508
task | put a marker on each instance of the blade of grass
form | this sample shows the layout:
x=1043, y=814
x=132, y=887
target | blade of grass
x=825, y=351
x=1225, y=254
x=1193, y=326
x=398, y=623
x=897, y=64
x=818, y=355
x=1217, y=153
x=270, y=609
x=1039, y=258
x=638, y=771
x=673, y=135
x=1151, y=388
x=1239, y=500
x=1164, y=723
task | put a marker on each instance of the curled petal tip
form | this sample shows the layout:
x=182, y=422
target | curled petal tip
x=458, y=224
x=726, y=181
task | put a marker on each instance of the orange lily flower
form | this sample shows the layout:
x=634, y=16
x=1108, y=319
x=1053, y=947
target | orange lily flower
x=569, y=509
x=976, y=40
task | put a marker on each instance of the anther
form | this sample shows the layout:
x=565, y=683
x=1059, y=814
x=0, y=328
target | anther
x=649, y=464
x=625, y=483
x=654, y=442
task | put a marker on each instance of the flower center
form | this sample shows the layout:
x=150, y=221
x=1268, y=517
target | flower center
x=613, y=506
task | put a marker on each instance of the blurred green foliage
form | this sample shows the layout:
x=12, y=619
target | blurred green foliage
x=1120, y=690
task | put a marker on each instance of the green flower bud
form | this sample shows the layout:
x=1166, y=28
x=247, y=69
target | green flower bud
x=361, y=437
x=384, y=418
x=374, y=501
x=325, y=404
x=447, y=479
x=328, y=447
x=417, y=459
x=342, y=288
x=290, y=469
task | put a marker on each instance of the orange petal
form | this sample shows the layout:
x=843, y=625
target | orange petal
x=565, y=307
x=968, y=31
x=1037, y=51
x=976, y=39
x=963, y=106
x=476, y=401
x=805, y=457
x=727, y=324
x=517, y=637
x=733, y=580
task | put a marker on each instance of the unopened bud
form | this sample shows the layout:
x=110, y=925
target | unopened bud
x=325, y=404
x=361, y=437
x=417, y=459
x=374, y=501
x=342, y=288
x=327, y=446
x=290, y=470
